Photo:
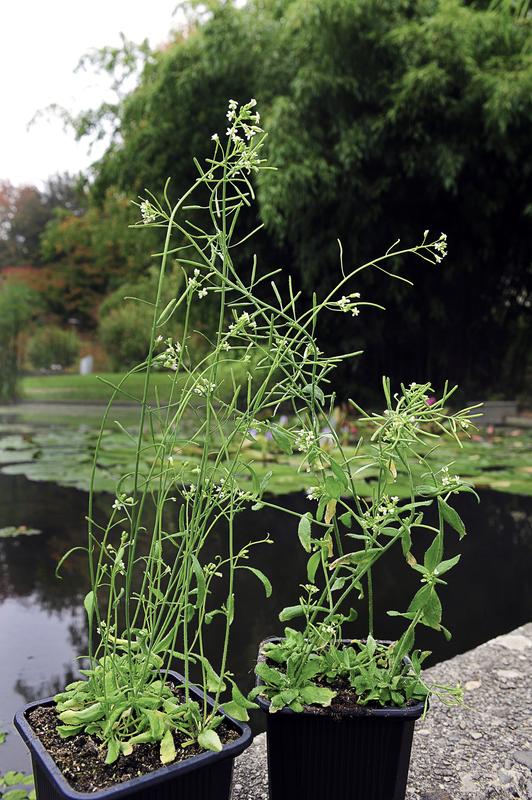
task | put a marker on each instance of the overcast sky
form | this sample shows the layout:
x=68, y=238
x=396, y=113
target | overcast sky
x=41, y=41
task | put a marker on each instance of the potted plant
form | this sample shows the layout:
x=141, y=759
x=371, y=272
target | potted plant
x=160, y=572
x=341, y=711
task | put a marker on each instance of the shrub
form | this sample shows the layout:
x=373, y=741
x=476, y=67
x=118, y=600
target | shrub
x=52, y=345
x=124, y=331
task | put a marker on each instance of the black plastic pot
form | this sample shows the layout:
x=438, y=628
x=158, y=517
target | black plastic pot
x=363, y=754
x=204, y=777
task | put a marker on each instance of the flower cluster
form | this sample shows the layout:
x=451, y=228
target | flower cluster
x=305, y=441
x=386, y=509
x=203, y=387
x=170, y=357
x=450, y=481
x=148, y=212
x=244, y=125
x=346, y=304
x=122, y=501
x=241, y=322
x=440, y=246
x=189, y=493
x=313, y=492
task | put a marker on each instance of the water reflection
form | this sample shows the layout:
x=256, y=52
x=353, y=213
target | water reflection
x=42, y=630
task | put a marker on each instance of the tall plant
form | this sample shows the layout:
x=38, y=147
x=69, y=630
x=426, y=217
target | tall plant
x=152, y=578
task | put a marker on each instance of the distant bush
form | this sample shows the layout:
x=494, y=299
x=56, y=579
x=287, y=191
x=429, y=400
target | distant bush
x=125, y=332
x=52, y=345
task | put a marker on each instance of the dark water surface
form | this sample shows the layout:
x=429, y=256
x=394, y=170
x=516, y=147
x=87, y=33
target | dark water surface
x=42, y=629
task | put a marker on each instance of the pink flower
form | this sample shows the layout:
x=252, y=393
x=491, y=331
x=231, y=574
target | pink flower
x=430, y=401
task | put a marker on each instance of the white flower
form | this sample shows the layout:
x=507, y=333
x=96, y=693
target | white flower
x=203, y=387
x=202, y=293
x=343, y=304
x=159, y=339
x=225, y=345
x=355, y=311
x=305, y=441
x=122, y=501
x=148, y=212
x=196, y=273
x=215, y=137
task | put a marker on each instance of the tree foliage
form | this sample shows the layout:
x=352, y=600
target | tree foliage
x=18, y=304
x=92, y=253
x=387, y=117
x=25, y=211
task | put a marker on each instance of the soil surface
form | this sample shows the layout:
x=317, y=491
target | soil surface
x=81, y=758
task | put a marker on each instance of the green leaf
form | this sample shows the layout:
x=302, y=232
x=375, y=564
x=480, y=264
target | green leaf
x=311, y=669
x=346, y=519
x=282, y=440
x=312, y=565
x=445, y=566
x=270, y=676
x=200, y=581
x=167, y=750
x=88, y=604
x=339, y=473
x=236, y=711
x=212, y=679
x=240, y=699
x=166, y=313
x=315, y=392
x=262, y=578
x=452, y=517
x=65, y=731
x=304, y=531
x=113, y=751
x=316, y=695
x=420, y=599
x=290, y=612
x=434, y=553
x=210, y=740
x=432, y=610
x=333, y=487
x=12, y=778
x=15, y=794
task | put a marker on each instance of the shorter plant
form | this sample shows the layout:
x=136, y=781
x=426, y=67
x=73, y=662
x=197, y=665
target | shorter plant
x=347, y=535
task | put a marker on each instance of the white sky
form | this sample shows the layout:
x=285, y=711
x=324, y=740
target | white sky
x=41, y=42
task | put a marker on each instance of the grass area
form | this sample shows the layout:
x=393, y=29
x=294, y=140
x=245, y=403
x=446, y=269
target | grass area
x=89, y=388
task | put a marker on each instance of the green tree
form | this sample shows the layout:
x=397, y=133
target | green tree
x=18, y=304
x=386, y=118
x=89, y=254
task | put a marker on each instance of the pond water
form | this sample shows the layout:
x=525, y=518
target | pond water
x=42, y=630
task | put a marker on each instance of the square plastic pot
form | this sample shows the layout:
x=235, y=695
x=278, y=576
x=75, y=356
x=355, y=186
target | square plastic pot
x=360, y=754
x=207, y=776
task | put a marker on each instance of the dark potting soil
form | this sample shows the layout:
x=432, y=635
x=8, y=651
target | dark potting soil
x=81, y=758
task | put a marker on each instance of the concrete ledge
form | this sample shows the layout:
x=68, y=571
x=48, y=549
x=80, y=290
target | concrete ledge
x=482, y=752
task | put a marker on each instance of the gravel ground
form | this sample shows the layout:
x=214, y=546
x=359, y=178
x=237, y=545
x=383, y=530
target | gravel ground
x=482, y=752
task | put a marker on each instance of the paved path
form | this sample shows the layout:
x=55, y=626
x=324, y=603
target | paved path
x=483, y=752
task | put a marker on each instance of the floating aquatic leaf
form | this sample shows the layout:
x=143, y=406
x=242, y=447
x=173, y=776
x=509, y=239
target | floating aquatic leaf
x=11, y=532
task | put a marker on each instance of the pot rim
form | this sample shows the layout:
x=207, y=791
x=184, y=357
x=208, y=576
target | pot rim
x=411, y=712
x=133, y=785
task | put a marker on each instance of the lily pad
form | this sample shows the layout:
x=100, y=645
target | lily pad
x=11, y=532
